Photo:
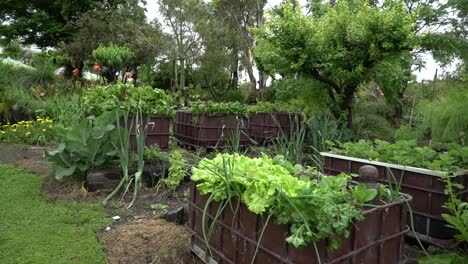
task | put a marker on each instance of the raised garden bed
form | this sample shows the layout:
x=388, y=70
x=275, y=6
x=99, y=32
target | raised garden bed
x=109, y=178
x=204, y=130
x=377, y=239
x=423, y=185
x=266, y=126
x=157, y=132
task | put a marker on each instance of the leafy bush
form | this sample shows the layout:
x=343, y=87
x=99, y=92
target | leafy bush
x=447, y=118
x=373, y=115
x=405, y=132
x=125, y=96
x=88, y=144
x=177, y=170
x=407, y=153
x=235, y=96
x=113, y=56
x=39, y=131
x=306, y=93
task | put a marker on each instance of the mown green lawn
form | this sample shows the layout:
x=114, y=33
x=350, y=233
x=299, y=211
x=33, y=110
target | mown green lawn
x=33, y=230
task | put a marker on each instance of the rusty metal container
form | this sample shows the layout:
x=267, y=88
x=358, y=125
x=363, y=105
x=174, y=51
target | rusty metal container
x=378, y=239
x=264, y=127
x=157, y=131
x=425, y=186
x=205, y=130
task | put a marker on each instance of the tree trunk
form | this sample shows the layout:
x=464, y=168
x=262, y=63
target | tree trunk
x=262, y=80
x=249, y=67
x=182, y=74
x=234, y=78
x=176, y=79
x=346, y=105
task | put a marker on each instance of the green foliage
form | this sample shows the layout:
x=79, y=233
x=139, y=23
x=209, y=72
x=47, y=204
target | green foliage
x=39, y=131
x=86, y=145
x=125, y=96
x=373, y=114
x=234, y=96
x=342, y=48
x=290, y=143
x=177, y=170
x=113, y=56
x=322, y=129
x=306, y=93
x=405, y=132
x=155, y=153
x=448, y=258
x=407, y=153
x=65, y=110
x=315, y=208
x=212, y=108
x=447, y=118
x=457, y=217
x=362, y=194
x=48, y=232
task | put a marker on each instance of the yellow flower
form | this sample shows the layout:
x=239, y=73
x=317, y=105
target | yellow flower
x=14, y=130
x=27, y=133
x=43, y=130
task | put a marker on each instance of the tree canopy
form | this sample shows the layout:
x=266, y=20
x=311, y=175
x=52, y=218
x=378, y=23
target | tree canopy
x=351, y=43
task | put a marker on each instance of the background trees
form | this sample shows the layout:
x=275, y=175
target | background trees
x=321, y=56
x=350, y=44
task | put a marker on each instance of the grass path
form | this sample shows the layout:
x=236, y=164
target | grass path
x=33, y=230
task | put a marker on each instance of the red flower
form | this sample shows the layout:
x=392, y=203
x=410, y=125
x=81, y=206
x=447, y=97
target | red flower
x=96, y=67
x=76, y=71
x=128, y=75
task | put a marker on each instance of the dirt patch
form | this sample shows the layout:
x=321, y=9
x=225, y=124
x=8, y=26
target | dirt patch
x=29, y=158
x=140, y=241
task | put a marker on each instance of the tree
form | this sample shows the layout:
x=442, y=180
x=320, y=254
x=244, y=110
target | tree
x=350, y=44
x=44, y=23
x=182, y=18
x=124, y=25
x=240, y=15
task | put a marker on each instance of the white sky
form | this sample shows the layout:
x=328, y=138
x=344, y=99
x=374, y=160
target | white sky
x=426, y=73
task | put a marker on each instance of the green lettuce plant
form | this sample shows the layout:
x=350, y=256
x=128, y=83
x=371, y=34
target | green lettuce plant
x=317, y=206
